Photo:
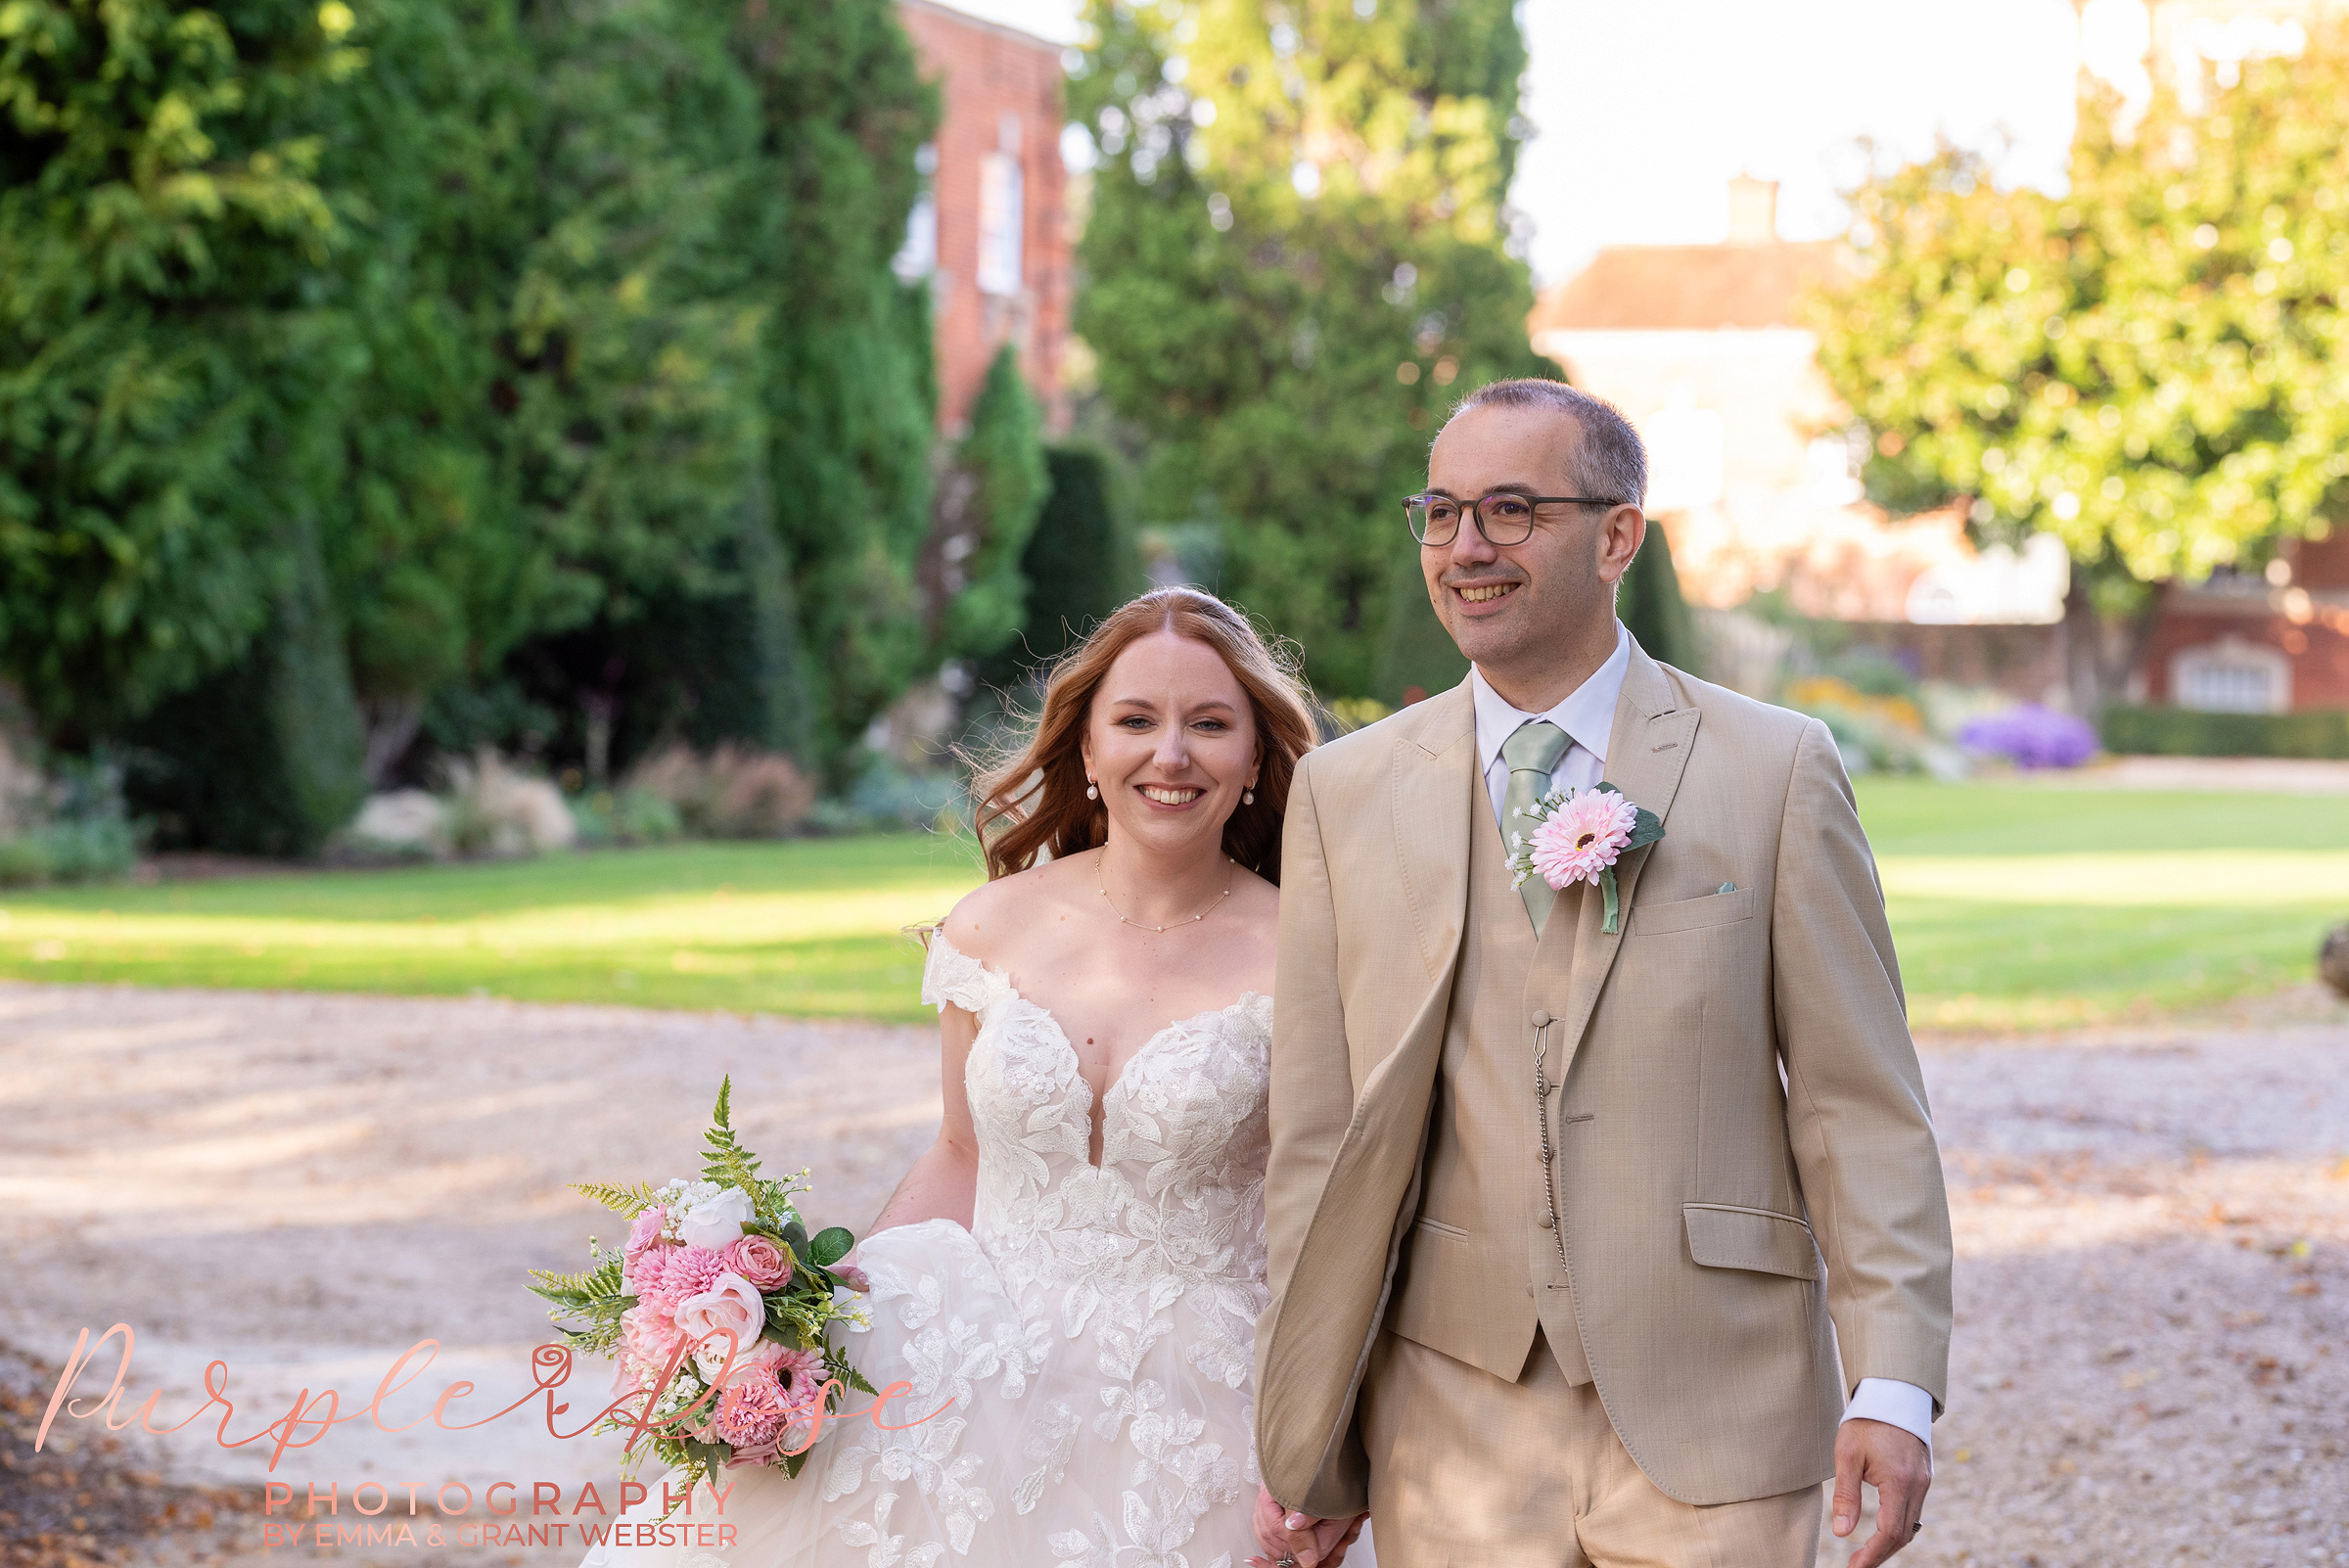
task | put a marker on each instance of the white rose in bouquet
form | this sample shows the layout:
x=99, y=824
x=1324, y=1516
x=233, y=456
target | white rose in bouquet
x=716, y=1222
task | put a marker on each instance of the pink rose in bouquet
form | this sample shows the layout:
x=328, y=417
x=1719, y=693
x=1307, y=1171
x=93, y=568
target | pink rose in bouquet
x=645, y=1232
x=731, y=1304
x=759, y=1259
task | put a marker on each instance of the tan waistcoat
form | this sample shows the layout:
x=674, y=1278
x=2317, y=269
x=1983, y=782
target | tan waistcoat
x=1480, y=1270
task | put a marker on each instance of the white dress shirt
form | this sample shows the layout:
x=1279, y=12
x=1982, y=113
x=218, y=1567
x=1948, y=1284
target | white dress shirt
x=1588, y=716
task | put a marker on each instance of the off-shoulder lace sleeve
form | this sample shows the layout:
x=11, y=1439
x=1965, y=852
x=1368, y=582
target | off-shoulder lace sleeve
x=951, y=975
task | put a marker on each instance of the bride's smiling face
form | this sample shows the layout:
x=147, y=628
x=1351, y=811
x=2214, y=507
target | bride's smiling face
x=1170, y=742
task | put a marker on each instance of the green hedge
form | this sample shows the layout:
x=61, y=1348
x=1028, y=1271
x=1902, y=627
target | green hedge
x=2185, y=732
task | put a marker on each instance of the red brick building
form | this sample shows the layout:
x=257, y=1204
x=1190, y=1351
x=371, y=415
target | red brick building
x=2256, y=643
x=991, y=233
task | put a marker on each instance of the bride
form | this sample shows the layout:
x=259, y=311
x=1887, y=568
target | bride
x=1074, y=1294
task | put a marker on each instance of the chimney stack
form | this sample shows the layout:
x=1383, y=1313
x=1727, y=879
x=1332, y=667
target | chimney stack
x=1753, y=210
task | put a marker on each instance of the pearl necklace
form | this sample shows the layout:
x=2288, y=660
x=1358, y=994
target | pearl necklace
x=1136, y=924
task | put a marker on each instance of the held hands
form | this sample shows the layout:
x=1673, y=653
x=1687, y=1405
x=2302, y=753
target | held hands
x=1313, y=1543
x=1897, y=1465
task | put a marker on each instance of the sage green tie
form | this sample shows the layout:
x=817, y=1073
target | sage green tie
x=1531, y=752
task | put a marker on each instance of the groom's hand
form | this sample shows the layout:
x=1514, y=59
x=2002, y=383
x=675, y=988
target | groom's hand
x=1314, y=1542
x=1897, y=1465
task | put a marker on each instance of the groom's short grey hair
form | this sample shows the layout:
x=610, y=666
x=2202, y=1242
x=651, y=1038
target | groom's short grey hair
x=1610, y=462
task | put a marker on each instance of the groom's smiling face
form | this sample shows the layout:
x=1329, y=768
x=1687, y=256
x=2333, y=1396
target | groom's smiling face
x=1518, y=609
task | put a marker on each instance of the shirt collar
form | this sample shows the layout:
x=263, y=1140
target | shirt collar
x=1586, y=714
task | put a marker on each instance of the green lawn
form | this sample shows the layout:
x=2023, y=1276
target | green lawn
x=2013, y=907
x=810, y=926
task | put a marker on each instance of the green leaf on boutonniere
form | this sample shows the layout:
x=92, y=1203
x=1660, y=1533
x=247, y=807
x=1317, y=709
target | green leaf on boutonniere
x=1646, y=828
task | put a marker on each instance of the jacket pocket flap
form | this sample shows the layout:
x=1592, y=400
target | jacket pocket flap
x=1687, y=914
x=1722, y=1236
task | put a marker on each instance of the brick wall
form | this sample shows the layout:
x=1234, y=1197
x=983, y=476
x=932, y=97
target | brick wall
x=1002, y=93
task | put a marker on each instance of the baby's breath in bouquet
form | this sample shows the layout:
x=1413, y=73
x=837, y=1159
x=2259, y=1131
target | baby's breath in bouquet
x=717, y=1310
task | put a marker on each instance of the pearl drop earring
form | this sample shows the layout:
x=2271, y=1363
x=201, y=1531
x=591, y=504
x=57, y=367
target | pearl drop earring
x=1247, y=797
x=1091, y=793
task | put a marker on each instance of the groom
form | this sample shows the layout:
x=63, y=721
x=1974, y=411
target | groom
x=1587, y=1246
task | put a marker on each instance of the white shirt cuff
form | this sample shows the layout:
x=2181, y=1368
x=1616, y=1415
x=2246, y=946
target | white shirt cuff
x=1895, y=1403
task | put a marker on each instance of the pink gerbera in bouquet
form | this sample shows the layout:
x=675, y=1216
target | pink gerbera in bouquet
x=717, y=1310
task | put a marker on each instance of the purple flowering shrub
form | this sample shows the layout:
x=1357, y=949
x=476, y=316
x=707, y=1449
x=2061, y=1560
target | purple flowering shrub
x=2032, y=736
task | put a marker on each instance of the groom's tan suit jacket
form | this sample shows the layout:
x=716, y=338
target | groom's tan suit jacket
x=1739, y=1096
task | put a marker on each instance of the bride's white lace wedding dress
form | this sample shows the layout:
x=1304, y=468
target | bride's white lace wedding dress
x=1094, y=1328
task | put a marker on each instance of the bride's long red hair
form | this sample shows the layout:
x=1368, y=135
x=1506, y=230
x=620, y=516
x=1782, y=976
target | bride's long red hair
x=1032, y=802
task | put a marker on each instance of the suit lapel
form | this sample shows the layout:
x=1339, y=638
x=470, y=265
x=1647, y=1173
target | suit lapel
x=1435, y=777
x=1646, y=753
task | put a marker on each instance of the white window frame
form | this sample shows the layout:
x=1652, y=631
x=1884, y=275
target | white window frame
x=2231, y=676
x=1002, y=218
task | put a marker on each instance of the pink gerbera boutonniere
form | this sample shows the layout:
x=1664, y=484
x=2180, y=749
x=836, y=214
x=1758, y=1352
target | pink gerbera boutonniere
x=1578, y=836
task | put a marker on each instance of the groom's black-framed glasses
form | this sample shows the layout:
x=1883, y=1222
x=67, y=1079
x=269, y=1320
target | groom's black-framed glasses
x=1502, y=517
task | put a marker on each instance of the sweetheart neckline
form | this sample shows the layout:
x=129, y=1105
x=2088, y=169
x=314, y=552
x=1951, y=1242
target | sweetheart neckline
x=1093, y=1102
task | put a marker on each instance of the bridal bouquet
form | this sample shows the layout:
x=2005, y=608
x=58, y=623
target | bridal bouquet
x=1578, y=836
x=716, y=1309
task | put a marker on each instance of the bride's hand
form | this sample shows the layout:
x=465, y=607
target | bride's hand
x=1309, y=1541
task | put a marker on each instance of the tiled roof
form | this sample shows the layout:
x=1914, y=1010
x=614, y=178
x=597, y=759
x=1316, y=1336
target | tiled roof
x=1689, y=286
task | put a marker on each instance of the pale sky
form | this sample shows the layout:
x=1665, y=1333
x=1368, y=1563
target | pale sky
x=1645, y=112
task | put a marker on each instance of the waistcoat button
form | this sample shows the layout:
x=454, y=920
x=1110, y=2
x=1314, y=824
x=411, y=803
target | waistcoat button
x=1542, y=1019
x=1546, y=1221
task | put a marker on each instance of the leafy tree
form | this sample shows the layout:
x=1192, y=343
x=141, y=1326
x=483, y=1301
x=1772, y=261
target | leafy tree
x=1295, y=263
x=2143, y=366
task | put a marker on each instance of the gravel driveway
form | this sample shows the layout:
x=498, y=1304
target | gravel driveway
x=2154, y=1235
